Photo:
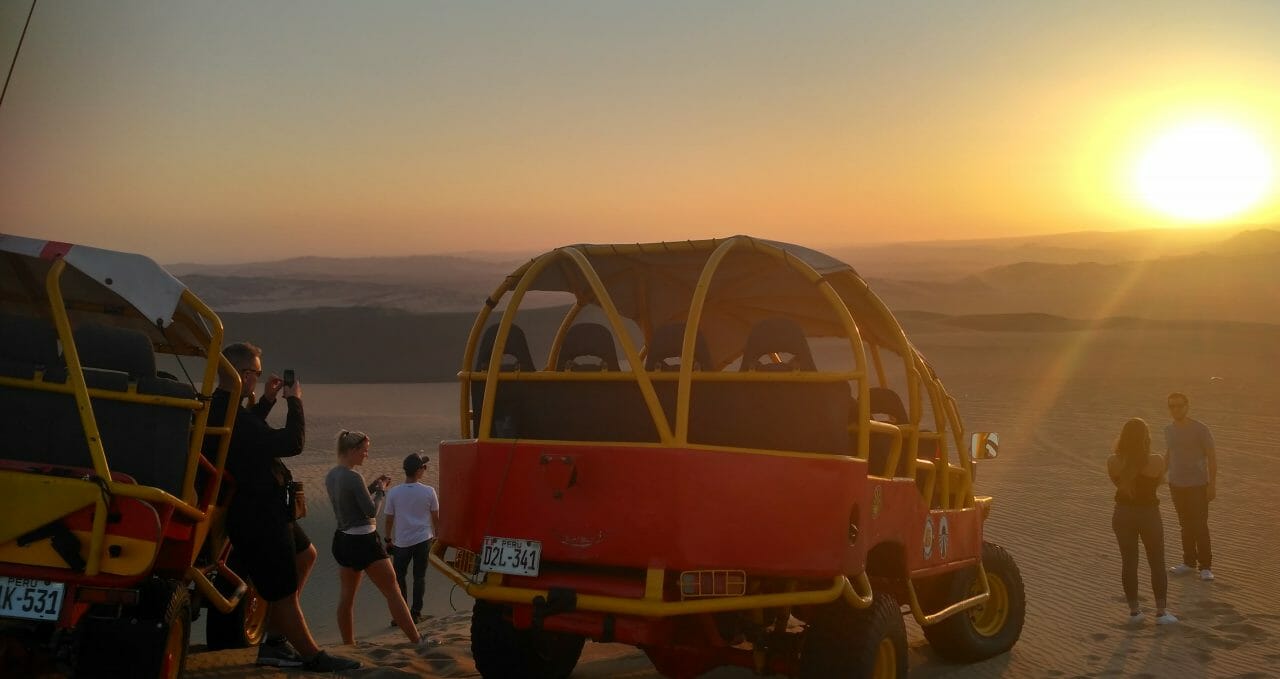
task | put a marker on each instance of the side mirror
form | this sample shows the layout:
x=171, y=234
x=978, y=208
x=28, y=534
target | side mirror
x=984, y=445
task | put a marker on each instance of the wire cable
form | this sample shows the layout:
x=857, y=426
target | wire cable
x=14, y=62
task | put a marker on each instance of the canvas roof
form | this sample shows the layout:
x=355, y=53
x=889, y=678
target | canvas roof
x=120, y=288
x=653, y=284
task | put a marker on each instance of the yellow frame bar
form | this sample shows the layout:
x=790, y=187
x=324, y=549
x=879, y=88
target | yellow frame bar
x=978, y=599
x=856, y=592
x=83, y=395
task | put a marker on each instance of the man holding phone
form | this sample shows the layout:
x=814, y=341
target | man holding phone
x=274, y=551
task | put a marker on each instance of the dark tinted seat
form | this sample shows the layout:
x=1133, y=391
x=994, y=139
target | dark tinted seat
x=148, y=442
x=515, y=356
x=886, y=406
x=781, y=337
x=588, y=346
x=28, y=345
x=665, y=347
x=111, y=348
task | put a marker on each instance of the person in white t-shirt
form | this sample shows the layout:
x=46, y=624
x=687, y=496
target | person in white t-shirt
x=412, y=513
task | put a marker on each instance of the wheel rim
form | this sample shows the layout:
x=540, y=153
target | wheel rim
x=989, y=618
x=174, y=648
x=886, y=666
x=255, y=617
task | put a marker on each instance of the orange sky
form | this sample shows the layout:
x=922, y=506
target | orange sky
x=337, y=128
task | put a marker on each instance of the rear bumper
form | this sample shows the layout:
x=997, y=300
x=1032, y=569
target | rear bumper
x=651, y=602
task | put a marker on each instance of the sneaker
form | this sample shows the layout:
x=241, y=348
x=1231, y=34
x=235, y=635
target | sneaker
x=278, y=653
x=1135, y=618
x=1181, y=569
x=323, y=662
x=1166, y=618
x=1206, y=574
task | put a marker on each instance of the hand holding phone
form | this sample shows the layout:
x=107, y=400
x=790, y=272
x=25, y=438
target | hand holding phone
x=292, y=387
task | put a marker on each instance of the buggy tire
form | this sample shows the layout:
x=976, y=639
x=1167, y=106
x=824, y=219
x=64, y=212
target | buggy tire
x=151, y=643
x=243, y=627
x=500, y=650
x=987, y=630
x=848, y=643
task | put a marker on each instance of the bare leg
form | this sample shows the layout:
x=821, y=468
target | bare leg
x=347, y=603
x=285, y=615
x=304, y=561
x=384, y=576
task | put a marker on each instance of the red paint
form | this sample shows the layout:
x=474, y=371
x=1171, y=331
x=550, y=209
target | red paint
x=54, y=249
x=675, y=509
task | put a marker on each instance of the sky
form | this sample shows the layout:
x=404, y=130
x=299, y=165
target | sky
x=249, y=130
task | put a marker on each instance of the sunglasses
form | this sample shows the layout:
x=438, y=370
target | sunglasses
x=1176, y=406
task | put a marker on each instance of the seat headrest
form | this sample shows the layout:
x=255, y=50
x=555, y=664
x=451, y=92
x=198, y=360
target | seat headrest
x=886, y=401
x=665, y=347
x=111, y=348
x=515, y=355
x=28, y=340
x=780, y=336
x=588, y=341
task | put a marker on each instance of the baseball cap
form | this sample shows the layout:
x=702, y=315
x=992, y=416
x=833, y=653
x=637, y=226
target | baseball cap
x=414, y=462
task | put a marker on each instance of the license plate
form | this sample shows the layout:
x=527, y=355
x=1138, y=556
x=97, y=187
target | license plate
x=30, y=599
x=511, y=556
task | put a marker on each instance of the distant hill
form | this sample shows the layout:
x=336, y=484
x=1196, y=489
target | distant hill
x=1182, y=274
x=343, y=345
x=357, y=345
x=949, y=260
x=262, y=293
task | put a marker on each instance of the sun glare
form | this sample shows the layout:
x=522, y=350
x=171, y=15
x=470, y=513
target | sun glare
x=1204, y=171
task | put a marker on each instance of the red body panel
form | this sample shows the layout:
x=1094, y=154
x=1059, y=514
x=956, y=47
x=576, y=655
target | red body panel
x=890, y=521
x=644, y=507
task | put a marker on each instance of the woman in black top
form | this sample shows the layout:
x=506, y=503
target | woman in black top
x=1136, y=472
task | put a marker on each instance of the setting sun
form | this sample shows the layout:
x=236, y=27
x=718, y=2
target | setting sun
x=1204, y=171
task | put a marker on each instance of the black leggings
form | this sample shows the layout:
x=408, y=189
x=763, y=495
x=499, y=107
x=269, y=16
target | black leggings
x=1131, y=524
x=1192, y=504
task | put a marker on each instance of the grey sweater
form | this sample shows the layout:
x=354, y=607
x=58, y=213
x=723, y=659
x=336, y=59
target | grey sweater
x=353, y=505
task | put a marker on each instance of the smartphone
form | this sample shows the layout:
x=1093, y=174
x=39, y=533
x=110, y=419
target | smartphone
x=288, y=377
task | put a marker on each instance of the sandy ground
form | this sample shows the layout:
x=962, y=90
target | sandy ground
x=1059, y=400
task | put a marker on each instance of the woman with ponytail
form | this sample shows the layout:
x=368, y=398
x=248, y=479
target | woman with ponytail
x=356, y=545
x=1136, y=473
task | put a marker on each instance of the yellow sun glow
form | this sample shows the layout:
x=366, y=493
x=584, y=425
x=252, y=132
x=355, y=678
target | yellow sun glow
x=1204, y=171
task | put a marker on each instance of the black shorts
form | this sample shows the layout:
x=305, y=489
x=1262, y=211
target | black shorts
x=300, y=540
x=266, y=551
x=357, y=552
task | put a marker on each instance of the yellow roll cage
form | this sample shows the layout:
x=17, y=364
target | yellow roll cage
x=842, y=290
x=197, y=322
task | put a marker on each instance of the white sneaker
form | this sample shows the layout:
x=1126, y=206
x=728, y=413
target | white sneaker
x=1206, y=575
x=1135, y=618
x=1166, y=619
x=1181, y=569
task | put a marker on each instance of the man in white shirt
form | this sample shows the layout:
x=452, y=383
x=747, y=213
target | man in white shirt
x=412, y=513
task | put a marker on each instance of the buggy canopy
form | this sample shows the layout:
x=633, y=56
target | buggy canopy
x=128, y=290
x=653, y=283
